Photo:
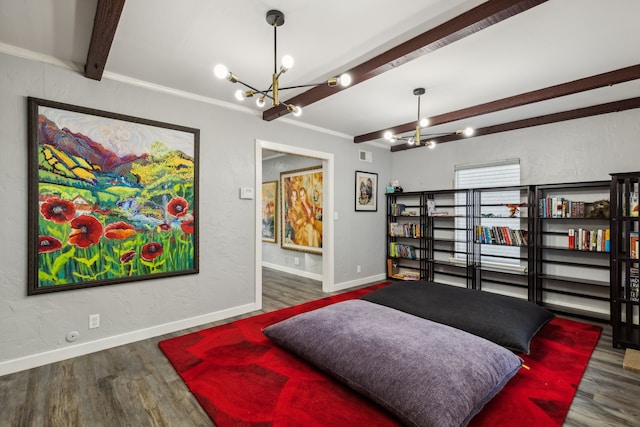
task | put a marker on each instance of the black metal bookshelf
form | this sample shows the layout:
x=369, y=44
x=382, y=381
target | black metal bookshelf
x=625, y=225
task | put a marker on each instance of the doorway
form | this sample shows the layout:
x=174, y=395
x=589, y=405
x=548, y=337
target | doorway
x=328, y=209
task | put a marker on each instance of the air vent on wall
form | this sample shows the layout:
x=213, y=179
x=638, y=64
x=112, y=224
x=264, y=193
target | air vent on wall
x=365, y=156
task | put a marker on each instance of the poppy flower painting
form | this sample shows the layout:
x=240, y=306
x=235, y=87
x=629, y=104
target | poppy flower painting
x=112, y=198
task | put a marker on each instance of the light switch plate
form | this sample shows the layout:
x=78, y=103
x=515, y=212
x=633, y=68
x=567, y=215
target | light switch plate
x=246, y=193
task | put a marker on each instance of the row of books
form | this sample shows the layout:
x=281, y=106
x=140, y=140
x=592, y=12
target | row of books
x=559, y=207
x=398, y=250
x=634, y=284
x=404, y=230
x=398, y=209
x=590, y=240
x=499, y=235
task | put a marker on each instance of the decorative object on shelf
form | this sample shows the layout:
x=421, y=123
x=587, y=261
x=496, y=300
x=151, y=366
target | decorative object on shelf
x=112, y=198
x=270, y=211
x=366, y=191
x=301, y=210
x=601, y=209
x=514, y=209
x=275, y=18
x=395, y=185
x=415, y=139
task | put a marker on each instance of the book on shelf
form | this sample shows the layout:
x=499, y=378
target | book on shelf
x=634, y=284
x=597, y=240
x=633, y=203
x=397, y=209
x=559, y=207
x=633, y=245
x=407, y=275
x=500, y=235
x=397, y=229
x=398, y=250
x=572, y=238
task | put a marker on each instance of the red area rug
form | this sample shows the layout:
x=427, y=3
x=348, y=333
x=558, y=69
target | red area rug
x=241, y=379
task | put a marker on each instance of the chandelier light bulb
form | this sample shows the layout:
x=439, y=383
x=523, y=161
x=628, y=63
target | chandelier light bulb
x=468, y=131
x=297, y=111
x=431, y=144
x=239, y=95
x=424, y=122
x=411, y=141
x=345, y=80
x=287, y=62
x=260, y=102
x=220, y=71
x=388, y=135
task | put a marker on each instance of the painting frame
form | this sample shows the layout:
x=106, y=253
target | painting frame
x=301, y=209
x=366, y=192
x=112, y=198
x=270, y=211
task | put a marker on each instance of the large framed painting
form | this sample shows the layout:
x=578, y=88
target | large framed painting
x=112, y=198
x=270, y=211
x=301, y=210
x=366, y=191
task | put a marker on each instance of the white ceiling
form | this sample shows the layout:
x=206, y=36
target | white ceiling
x=175, y=44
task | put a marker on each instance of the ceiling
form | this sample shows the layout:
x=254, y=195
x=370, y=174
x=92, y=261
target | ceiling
x=493, y=65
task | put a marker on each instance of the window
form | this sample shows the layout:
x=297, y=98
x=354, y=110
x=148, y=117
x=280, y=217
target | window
x=499, y=174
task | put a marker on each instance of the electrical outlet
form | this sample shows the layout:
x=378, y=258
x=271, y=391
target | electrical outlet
x=94, y=321
x=296, y=261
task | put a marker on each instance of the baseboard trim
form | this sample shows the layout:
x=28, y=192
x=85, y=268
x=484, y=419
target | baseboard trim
x=295, y=272
x=58, y=355
x=52, y=356
x=358, y=282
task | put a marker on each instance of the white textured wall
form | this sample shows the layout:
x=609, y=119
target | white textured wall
x=32, y=329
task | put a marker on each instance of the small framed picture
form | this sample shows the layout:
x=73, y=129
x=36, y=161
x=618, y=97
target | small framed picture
x=366, y=191
x=270, y=211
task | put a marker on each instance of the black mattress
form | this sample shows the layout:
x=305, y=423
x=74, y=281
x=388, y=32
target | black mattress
x=508, y=321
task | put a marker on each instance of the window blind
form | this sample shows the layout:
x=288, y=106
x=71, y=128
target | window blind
x=497, y=174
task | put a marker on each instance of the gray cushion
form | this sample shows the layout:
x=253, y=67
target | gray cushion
x=508, y=321
x=426, y=373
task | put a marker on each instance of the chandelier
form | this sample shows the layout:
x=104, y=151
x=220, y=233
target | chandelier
x=275, y=18
x=415, y=139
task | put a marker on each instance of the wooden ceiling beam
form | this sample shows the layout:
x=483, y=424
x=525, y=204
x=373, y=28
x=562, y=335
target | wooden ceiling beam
x=594, y=110
x=588, y=83
x=468, y=23
x=105, y=24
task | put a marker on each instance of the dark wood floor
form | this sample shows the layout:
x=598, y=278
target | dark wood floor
x=134, y=384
